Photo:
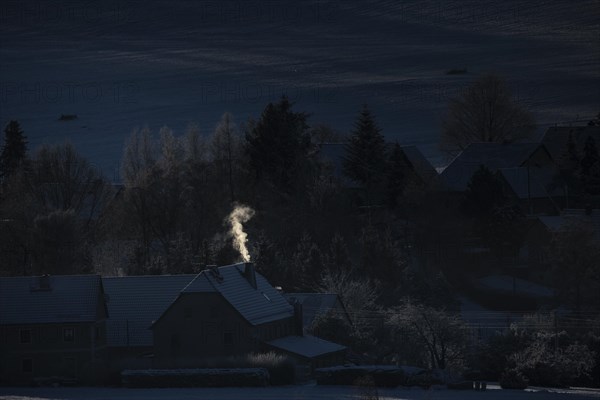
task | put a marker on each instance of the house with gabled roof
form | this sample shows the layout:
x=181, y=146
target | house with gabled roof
x=494, y=156
x=234, y=310
x=133, y=303
x=332, y=155
x=52, y=327
x=536, y=190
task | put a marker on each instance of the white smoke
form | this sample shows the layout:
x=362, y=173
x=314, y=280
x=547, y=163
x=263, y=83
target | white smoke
x=240, y=215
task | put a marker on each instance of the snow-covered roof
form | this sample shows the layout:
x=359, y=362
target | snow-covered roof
x=552, y=222
x=458, y=173
x=534, y=182
x=334, y=154
x=559, y=223
x=306, y=346
x=135, y=301
x=50, y=299
x=257, y=305
x=421, y=165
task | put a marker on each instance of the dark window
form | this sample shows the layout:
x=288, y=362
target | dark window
x=69, y=335
x=98, y=334
x=188, y=312
x=227, y=338
x=214, y=312
x=27, y=365
x=25, y=336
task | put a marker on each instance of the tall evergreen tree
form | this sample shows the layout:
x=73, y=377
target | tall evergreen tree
x=590, y=167
x=484, y=194
x=14, y=151
x=397, y=175
x=590, y=156
x=365, y=159
x=278, y=143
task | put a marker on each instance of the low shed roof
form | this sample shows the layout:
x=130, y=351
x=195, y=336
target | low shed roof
x=306, y=346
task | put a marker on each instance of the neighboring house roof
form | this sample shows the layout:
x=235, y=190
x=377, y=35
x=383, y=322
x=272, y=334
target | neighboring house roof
x=457, y=175
x=135, y=301
x=555, y=139
x=258, y=306
x=66, y=299
x=561, y=222
x=306, y=346
x=553, y=223
x=315, y=304
x=422, y=167
x=334, y=153
x=534, y=182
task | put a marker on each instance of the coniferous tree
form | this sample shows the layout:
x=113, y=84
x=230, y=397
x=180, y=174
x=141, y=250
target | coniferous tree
x=590, y=156
x=277, y=145
x=397, y=175
x=484, y=194
x=590, y=167
x=364, y=161
x=14, y=151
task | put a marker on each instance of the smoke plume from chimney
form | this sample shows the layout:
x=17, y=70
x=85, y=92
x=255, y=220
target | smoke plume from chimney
x=240, y=215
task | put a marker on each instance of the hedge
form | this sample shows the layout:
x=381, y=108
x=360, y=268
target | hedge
x=214, y=377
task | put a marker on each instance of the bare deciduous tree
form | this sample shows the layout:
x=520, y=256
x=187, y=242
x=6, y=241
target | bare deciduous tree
x=485, y=112
x=436, y=333
x=224, y=148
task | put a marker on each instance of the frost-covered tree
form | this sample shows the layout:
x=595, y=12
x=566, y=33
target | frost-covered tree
x=225, y=147
x=425, y=330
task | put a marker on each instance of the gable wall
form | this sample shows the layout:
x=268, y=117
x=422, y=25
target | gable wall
x=197, y=326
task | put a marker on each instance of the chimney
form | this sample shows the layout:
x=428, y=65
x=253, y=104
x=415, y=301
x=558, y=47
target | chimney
x=214, y=271
x=41, y=284
x=250, y=274
x=298, y=319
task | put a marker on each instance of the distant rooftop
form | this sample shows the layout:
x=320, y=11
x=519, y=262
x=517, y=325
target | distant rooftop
x=49, y=299
x=458, y=173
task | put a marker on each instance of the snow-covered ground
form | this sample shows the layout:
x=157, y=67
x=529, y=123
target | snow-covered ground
x=286, y=393
x=122, y=64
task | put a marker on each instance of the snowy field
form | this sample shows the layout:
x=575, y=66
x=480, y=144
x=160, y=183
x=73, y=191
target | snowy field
x=118, y=65
x=285, y=393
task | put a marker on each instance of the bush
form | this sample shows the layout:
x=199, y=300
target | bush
x=544, y=365
x=157, y=378
x=282, y=369
x=382, y=376
x=513, y=379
